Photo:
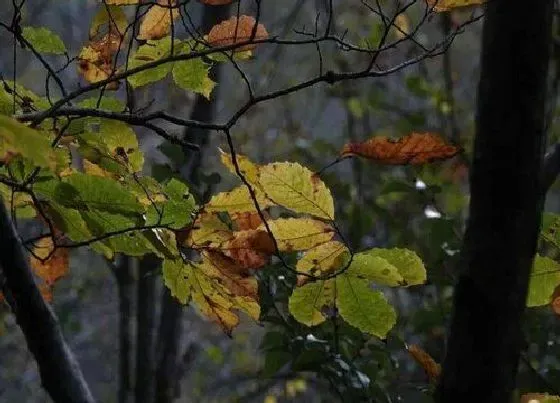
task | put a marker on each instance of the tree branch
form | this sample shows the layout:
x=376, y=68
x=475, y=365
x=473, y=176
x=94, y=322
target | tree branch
x=60, y=373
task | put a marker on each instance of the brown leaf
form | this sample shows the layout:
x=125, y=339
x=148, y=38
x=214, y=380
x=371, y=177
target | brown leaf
x=157, y=22
x=247, y=220
x=236, y=278
x=251, y=249
x=236, y=30
x=432, y=368
x=413, y=149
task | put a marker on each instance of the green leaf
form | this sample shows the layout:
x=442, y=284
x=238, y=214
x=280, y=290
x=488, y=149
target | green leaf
x=7, y=89
x=297, y=188
x=44, y=40
x=153, y=50
x=18, y=201
x=358, y=304
x=133, y=242
x=306, y=302
x=113, y=145
x=106, y=103
x=176, y=211
x=16, y=138
x=364, y=308
x=545, y=276
x=390, y=267
x=108, y=15
x=84, y=192
x=69, y=221
x=192, y=75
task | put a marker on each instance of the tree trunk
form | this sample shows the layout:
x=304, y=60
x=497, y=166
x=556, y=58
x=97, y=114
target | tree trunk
x=60, y=373
x=505, y=207
x=145, y=320
x=168, y=371
x=125, y=285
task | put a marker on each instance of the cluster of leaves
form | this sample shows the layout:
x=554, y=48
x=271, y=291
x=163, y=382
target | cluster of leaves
x=110, y=28
x=109, y=206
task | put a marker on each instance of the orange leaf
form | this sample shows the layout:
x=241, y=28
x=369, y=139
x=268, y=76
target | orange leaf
x=432, y=368
x=231, y=275
x=413, y=149
x=236, y=30
x=251, y=249
x=247, y=220
x=50, y=264
x=157, y=21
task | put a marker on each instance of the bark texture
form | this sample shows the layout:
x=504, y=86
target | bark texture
x=60, y=373
x=505, y=207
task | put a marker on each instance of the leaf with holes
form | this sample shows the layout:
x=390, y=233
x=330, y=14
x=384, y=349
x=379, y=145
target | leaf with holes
x=322, y=260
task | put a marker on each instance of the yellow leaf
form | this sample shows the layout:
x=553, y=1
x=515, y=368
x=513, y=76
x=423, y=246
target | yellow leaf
x=209, y=292
x=157, y=21
x=237, y=200
x=402, y=26
x=297, y=188
x=446, y=5
x=321, y=260
x=249, y=169
x=207, y=229
x=293, y=234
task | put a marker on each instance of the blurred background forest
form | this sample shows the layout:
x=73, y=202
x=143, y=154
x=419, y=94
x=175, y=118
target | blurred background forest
x=419, y=208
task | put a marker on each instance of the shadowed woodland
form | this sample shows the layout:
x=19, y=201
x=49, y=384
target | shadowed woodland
x=296, y=201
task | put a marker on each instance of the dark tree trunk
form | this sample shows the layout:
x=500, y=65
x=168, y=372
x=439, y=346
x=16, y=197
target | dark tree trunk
x=145, y=320
x=505, y=207
x=125, y=285
x=168, y=369
x=60, y=373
